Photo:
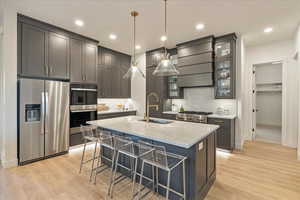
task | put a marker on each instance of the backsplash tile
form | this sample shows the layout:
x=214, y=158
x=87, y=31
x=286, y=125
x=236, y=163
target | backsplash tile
x=112, y=103
x=202, y=99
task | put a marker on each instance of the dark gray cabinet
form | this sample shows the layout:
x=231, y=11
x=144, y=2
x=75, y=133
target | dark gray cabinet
x=225, y=134
x=225, y=67
x=112, y=66
x=90, y=62
x=33, y=51
x=76, y=60
x=153, y=57
x=83, y=61
x=58, y=56
x=47, y=51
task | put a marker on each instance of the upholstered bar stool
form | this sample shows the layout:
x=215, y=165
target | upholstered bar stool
x=89, y=135
x=131, y=152
x=160, y=159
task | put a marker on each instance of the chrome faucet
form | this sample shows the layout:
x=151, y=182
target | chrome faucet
x=146, y=117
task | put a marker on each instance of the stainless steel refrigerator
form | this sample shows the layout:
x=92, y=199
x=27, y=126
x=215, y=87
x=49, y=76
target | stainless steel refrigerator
x=43, y=119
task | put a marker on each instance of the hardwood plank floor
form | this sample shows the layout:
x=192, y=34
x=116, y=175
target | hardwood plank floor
x=261, y=172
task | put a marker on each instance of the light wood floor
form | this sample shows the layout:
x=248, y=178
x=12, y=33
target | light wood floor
x=261, y=172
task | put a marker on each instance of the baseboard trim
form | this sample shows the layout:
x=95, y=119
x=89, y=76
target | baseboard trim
x=9, y=163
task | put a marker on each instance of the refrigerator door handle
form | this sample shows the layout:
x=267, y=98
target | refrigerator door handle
x=46, y=112
x=43, y=113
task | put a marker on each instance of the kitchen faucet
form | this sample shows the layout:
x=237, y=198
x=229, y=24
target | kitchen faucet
x=146, y=117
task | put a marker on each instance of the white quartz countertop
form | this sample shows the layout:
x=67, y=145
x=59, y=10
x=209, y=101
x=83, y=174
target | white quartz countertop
x=114, y=111
x=209, y=116
x=177, y=133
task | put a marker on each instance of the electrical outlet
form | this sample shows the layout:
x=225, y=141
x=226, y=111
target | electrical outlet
x=200, y=146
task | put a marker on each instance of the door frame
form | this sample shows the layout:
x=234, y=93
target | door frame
x=283, y=96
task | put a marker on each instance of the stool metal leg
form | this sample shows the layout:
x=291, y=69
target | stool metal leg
x=141, y=178
x=93, y=162
x=112, y=170
x=98, y=163
x=183, y=176
x=153, y=179
x=112, y=183
x=134, y=177
x=83, y=155
x=168, y=186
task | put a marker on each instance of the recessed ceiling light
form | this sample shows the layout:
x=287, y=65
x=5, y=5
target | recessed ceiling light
x=268, y=30
x=200, y=26
x=79, y=22
x=163, y=38
x=137, y=47
x=112, y=36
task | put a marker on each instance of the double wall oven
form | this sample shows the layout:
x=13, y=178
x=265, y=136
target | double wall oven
x=83, y=108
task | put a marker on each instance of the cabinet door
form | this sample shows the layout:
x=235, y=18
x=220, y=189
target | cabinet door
x=58, y=56
x=211, y=155
x=115, y=75
x=125, y=83
x=33, y=47
x=90, y=63
x=76, y=60
x=106, y=69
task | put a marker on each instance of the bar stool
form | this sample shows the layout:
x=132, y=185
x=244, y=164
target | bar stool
x=133, y=151
x=89, y=134
x=106, y=141
x=160, y=159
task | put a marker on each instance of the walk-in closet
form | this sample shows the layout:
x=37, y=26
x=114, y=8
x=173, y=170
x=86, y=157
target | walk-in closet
x=268, y=100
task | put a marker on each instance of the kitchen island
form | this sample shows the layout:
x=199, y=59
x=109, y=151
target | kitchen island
x=195, y=141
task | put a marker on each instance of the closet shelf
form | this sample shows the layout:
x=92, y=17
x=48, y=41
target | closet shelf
x=273, y=83
x=269, y=90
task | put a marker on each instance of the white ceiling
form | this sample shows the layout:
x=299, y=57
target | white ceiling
x=102, y=17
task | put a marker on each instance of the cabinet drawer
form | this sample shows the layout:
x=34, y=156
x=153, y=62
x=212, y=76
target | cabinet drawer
x=195, y=59
x=194, y=49
x=114, y=115
x=196, y=69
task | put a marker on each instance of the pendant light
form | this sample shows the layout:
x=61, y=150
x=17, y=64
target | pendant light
x=165, y=66
x=134, y=69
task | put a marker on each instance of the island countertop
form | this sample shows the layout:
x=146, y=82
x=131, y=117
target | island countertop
x=178, y=133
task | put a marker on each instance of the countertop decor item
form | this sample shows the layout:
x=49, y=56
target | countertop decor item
x=166, y=66
x=134, y=65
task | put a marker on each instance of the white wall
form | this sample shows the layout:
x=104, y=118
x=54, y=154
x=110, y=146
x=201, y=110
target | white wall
x=138, y=87
x=1, y=65
x=9, y=87
x=282, y=50
x=297, y=47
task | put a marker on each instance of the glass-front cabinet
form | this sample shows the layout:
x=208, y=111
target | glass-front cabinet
x=174, y=92
x=225, y=67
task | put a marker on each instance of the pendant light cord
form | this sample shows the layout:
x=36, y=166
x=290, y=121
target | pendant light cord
x=134, y=32
x=165, y=27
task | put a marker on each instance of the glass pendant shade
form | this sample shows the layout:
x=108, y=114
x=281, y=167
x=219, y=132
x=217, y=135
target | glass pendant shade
x=165, y=68
x=132, y=71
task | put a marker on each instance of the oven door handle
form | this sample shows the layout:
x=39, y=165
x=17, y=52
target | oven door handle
x=83, y=89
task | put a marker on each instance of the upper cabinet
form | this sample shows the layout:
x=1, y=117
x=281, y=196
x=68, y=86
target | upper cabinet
x=58, y=56
x=153, y=57
x=47, y=51
x=32, y=42
x=112, y=66
x=225, y=67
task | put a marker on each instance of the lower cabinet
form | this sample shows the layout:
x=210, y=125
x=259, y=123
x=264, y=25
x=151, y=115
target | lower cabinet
x=225, y=134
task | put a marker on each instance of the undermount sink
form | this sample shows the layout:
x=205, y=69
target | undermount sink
x=157, y=121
